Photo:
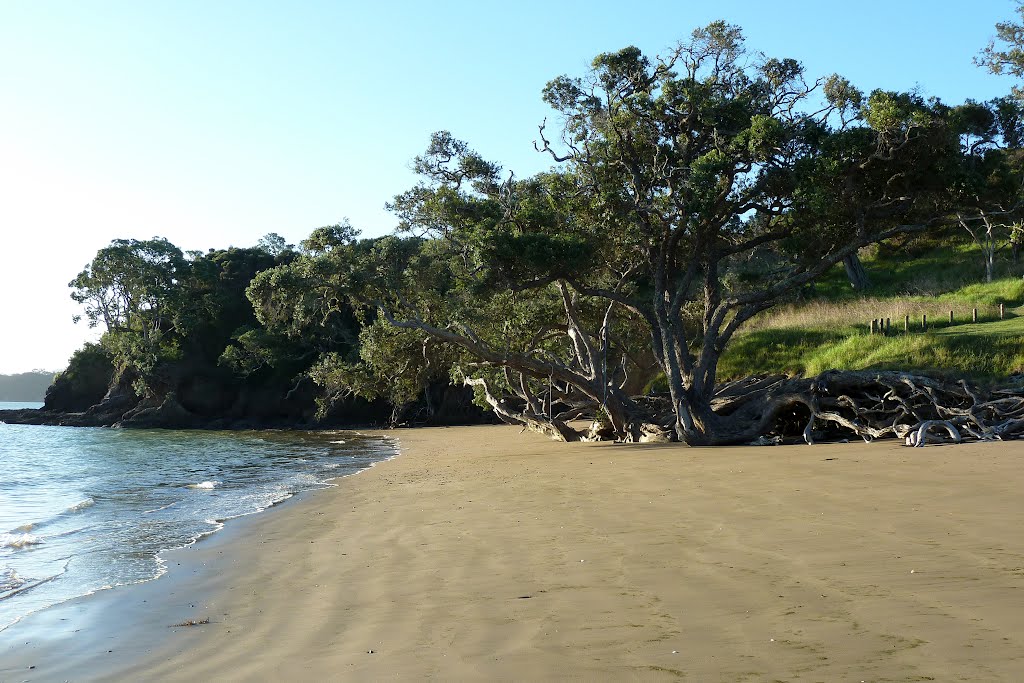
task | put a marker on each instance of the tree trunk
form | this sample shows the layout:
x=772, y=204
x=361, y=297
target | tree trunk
x=866, y=404
x=855, y=272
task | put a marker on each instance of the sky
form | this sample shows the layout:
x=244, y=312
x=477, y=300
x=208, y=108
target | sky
x=215, y=123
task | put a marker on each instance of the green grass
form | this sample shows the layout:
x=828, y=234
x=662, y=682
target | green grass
x=810, y=352
x=928, y=268
x=829, y=330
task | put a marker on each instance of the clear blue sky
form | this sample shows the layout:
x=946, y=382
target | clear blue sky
x=214, y=123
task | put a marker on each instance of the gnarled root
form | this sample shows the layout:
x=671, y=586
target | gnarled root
x=871, y=405
x=920, y=437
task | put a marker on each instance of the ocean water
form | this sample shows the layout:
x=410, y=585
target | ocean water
x=87, y=509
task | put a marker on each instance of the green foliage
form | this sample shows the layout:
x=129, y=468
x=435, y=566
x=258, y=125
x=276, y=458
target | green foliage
x=274, y=245
x=893, y=112
x=252, y=350
x=164, y=311
x=323, y=240
x=393, y=364
x=84, y=382
x=130, y=284
x=1005, y=53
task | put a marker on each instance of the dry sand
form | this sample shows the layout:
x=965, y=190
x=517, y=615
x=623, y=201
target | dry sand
x=485, y=554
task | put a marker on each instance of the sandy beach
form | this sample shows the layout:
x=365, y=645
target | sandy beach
x=485, y=554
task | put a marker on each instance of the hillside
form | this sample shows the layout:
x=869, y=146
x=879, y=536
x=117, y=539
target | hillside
x=828, y=326
x=25, y=386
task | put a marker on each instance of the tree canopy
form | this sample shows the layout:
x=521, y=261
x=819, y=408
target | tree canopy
x=687, y=193
x=1004, y=54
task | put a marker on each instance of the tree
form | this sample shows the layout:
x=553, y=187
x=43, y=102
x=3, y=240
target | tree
x=712, y=161
x=132, y=287
x=856, y=273
x=1004, y=54
x=689, y=194
x=167, y=314
x=129, y=284
x=987, y=188
x=273, y=244
x=681, y=172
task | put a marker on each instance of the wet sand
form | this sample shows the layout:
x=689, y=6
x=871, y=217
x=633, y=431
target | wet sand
x=486, y=554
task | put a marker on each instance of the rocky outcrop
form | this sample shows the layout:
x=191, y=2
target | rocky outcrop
x=201, y=402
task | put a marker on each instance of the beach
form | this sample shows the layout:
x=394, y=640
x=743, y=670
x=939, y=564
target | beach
x=483, y=553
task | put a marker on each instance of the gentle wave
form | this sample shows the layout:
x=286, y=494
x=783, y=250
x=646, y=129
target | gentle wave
x=18, y=540
x=35, y=526
x=103, y=505
x=162, y=507
x=9, y=580
x=26, y=586
x=81, y=505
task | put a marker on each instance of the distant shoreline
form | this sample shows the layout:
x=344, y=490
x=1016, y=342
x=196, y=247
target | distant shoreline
x=40, y=417
x=25, y=387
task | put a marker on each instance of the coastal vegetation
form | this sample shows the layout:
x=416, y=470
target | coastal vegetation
x=831, y=329
x=715, y=232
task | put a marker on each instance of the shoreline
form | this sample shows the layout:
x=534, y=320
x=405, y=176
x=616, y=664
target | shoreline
x=246, y=497
x=483, y=553
x=47, y=629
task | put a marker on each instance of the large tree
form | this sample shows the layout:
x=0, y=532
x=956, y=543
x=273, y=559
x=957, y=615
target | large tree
x=693, y=192
x=132, y=287
x=689, y=193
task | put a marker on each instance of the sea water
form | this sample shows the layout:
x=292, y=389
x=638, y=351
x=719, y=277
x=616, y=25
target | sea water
x=87, y=509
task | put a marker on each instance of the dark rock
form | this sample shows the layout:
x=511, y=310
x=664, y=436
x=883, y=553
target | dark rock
x=206, y=395
x=169, y=414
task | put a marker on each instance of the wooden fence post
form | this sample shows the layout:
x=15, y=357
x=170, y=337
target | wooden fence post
x=1000, y=311
x=888, y=325
x=873, y=324
x=924, y=322
x=951, y=317
x=975, y=316
x=906, y=323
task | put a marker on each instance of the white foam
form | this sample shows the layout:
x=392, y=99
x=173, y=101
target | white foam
x=9, y=580
x=18, y=540
x=205, y=485
x=162, y=507
x=81, y=505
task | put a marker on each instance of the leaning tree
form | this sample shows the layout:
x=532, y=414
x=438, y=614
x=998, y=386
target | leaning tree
x=691, y=193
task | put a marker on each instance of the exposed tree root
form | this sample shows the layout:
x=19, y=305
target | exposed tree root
x=880, y=404
x=832, y=406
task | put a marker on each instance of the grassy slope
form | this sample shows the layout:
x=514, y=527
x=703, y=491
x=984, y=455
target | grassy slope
x=829, y=329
